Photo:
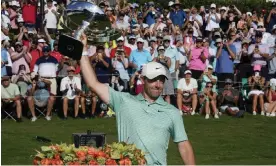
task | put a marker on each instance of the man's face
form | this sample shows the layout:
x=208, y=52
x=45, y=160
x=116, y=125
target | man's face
x=152, y=43
x=198, y=44
x=153, y=88
x=228, y=86
x=46, y=53
x=258, y=39
x=210, y=71
x=49, y=4
x=194, y=11
x=188, y=76
x=41, y=44
x=6, y=82
x=140, y=45
x=18, y=47
x=222, y=11
x=132, y=41
x=166, y=43
x=177, y=6
x=120, y=43
x=71, y=73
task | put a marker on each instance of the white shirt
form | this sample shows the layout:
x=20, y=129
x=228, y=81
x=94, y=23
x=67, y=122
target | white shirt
x=182, y=85
x=159, y=27
x=212, y=24
x=122, y=70
x=51, y=17
x=67, y=82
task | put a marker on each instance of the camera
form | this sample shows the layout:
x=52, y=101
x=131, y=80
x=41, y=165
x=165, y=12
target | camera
x=206, y=10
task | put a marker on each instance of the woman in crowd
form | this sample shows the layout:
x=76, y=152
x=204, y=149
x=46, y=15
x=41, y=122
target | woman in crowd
x=256, y=83
x=270, y=106
x=207, y=100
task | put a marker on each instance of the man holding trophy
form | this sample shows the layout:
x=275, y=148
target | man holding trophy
x=145, y=120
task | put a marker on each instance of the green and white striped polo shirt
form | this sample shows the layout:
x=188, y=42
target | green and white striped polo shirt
x=147, y=125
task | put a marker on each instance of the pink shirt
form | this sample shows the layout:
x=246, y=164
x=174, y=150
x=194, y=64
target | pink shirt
x=196, y=63
x=13, y=18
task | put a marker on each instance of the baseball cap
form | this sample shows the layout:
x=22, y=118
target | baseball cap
x=199, y=39
x=249, y=14
x=46, y=49
x=213, y=5
x=120, y=38
x=228, y=80
x=218, y=40
x=140, y=40
x=167, y=37
x=153, y=69
x=5, y=78
x=223, y=8
x=246, y=41
x=41, y=41
x=132, y=37
x=161, y=48
x=18, y=43
x=210, y=67
x=188, y=72
x=217, y=34
x=260, y=24
x=171, y=3
x=109, y=9
x=153, y=39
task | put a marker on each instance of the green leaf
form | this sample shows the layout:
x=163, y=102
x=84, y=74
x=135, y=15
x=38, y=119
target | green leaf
x=45, y=148
x=40, y=155
x=115, y=155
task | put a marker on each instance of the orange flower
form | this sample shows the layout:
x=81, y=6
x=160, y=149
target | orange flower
x=57, y=156
x=92, y=162
x=45, y=161
x=110, y=162
x=35, y=162
x=81, y=155
x=127, y=161
x=101, y=154
x=91, y=151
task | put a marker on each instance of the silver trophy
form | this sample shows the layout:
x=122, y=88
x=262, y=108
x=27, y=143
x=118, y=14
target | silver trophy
x=88, y=18
x=84, y=17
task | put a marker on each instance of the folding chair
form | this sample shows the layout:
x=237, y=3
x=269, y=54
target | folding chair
x=41, y=110
x=8, y=110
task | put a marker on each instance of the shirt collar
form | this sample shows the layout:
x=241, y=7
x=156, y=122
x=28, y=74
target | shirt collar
x=159, y=101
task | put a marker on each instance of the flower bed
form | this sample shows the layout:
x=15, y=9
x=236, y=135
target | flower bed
x=111, y=154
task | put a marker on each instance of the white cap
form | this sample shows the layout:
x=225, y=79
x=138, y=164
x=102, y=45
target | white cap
x=274, y=27
x=153, y=69
x=41, y=41
x=249, y=14
x=210, y=67
x=260, y=24
x=132, y=37
x=20, y=19
x=109, y=9
x=223, y=8
x=218, y=40
x=213, y=5
x=217, y=34
x=140, y=40
x=161, y=48
x=121, y=38
x=54, y=2
x=188, y=72
x=145, y=25
x=153, y=39
x=171, y=3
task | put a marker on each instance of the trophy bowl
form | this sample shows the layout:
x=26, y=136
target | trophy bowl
x=99, y=30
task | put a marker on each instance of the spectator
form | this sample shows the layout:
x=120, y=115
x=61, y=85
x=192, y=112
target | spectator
x=136, y=84
x=195, y=17
x=13, y=13
x=29, y=12
x=244, y=67
x=10, y=97
x=55, y=53
x=150, y=13
x=120, y=45
x=39, y=94
x=88, y=99
x=121, y=24
x=197, y=59
x=101, y=65
x=259, y=53
x=187, y=93
x=36, y=52
x=140, y=56
x=46, y=67
x=20, y=57
x=22, y=79
x=271, y=19
x=270, y=106
x=256, y=83
x=131, y=42
x=4, y=57
x=207, y=100
x=158, y=25
x=212, y=19
x=71, y=88
x=225, y=56
x=120, y=63
x=166, y=62
x=228, y=100
x=152, y=46
x=178, y=16
x=51, y=17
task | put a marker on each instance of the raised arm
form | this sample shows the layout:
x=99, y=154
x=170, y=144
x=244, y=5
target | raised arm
x=90, y=77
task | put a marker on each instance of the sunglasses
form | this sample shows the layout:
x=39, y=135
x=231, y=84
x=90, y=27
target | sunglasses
x=120, y=41
x=18, y=46
x=71, y=71
x=166, y=40
x=209, y=86
x=139, y=42
x=228, y=84
x=161, y=50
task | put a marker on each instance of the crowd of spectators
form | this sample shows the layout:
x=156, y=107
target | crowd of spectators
x=219, y=60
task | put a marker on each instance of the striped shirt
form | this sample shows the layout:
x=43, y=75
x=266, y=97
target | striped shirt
x=147, y=125
x=46, y=66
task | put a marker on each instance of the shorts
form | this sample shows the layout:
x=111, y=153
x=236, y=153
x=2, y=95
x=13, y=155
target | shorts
x=53, y=88
x=255, y=92
x=223, y=108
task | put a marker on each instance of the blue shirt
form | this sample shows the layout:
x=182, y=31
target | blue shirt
x=150, y=18
x=4, y=58
x=178, y=17
x=224, y=63
x=140, y=58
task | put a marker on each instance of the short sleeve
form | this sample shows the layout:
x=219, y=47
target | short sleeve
x=149, y=57
x=177, y=55
x=16, y=90
x=131, y=56
x=178, y=132
x=250, y=49
x=62, y=85
x=115, y=99
x=233, y=49
x=180, y=84
x=78, y=82
x=195, y=84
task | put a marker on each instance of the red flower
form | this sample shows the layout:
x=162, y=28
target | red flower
x=81, y=155
x=92, y=162
x=35, y=162
x=57, y=156
x=45, y=161
x=101, y=154
x=125, y=161
x=110, y=162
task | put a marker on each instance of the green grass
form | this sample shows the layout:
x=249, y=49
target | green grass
x=251, y=140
